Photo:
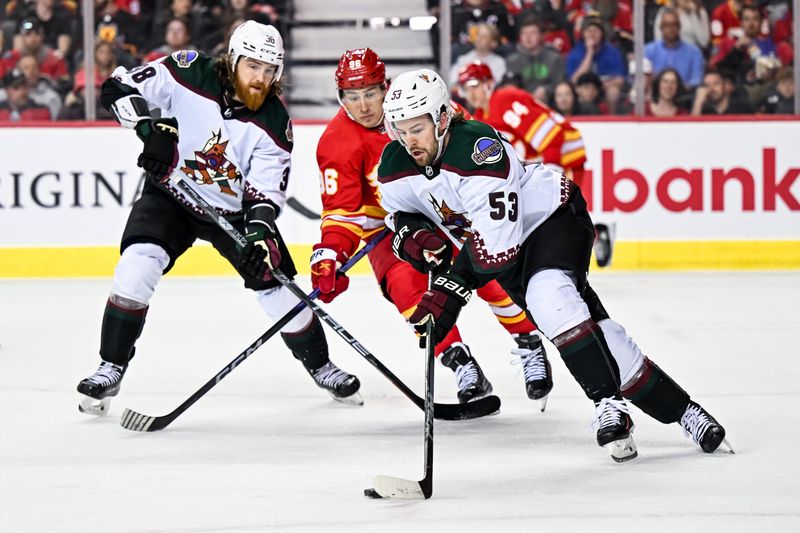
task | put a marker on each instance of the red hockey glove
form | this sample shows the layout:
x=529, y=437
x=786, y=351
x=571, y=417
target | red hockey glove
x=442, y=303
x=324, y=264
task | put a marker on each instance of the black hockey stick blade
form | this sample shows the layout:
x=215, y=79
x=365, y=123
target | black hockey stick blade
x=298, y=206
x=465, y=411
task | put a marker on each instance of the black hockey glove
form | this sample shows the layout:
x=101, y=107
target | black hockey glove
x=417, y=243
x=443, y=303
x=261, y=254
x=159, y=156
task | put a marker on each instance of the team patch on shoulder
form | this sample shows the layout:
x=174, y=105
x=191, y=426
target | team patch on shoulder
x=289, y=132
x=487, y=150
x=184, y=58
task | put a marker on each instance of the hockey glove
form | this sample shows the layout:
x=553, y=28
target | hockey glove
x=420, y=246
x=261, y=254
x=442, y=303
x=159, y=156
x=324, y=264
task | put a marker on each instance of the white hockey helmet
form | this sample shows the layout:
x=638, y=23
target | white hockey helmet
x=257, y=41
x=415, y=93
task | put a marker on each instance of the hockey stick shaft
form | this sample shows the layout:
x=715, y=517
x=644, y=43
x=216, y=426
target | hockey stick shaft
x=139, y=422
x=407, y=489
x=475, y=409
x=427, y=482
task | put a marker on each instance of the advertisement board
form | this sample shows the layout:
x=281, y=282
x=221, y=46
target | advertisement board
x=687, y=194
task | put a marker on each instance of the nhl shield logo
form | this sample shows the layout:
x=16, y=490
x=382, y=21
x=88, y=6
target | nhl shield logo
x=487, y=151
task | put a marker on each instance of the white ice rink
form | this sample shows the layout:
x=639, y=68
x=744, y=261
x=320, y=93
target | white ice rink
x=268, y=451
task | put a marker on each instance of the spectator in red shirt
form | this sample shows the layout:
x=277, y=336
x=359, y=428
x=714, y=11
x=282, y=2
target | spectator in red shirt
x=32, y=42
x=725, y=20
x=740, y=55
x=19, y=107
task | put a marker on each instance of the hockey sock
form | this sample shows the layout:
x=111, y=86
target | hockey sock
x=657, y=394
x=510, y=315
x=121, y=327
x=585, y=352
x=453, y=336
x=309, y=345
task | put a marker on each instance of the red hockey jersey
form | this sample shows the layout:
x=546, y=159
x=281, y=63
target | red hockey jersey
x=535, y=131
x=347, y=156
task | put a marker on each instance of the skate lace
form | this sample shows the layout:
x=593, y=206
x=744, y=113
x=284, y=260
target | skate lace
x=532, y=363
x=330, y=375
x=466, y=375
x=609, y=412
x=106, y=374
x=695, y=422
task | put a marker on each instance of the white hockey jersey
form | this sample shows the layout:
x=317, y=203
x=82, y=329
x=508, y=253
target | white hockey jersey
x=229, y=154
x=479, y=194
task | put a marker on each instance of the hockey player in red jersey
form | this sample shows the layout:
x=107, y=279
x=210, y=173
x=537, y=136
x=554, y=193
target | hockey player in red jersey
x=537, y=132
x=348, y=155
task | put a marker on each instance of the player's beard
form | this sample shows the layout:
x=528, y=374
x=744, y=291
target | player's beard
x=251, y=101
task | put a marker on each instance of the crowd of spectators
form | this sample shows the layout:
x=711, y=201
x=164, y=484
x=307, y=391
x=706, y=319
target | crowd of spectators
x=701, y=57
x=42, y=56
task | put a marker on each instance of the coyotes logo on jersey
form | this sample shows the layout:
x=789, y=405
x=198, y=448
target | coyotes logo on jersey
x=456, y=223
x=211, y=166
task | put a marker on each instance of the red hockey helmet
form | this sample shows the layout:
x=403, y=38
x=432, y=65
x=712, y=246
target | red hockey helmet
x=475, y=71
x=360, y=68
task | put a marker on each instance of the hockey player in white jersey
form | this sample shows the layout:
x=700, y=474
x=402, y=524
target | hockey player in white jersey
x=225, y=129
x=526, y=226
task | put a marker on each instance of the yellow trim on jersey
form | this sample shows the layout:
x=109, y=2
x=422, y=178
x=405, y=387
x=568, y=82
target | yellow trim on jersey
x=349, y=226
x=511, y=319
x=547, y=140
x=571, y=135
x=502, y=303
x=573, y=156
x=344, y=212
x=202, y=260
x=535, y=126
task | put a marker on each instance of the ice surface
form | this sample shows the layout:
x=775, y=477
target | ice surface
x=267, y=450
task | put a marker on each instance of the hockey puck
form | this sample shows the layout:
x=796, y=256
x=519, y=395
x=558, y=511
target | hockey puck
x=373, y=494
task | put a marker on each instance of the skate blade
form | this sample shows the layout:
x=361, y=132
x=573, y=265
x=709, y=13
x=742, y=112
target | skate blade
x=727, y=445
x=93, y=406
x=353, y=399
x=622, y=450
x=541, y=403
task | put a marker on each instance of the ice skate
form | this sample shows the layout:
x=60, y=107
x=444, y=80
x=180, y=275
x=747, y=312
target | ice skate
x=614, y=429
x=703, y=428
x=342, y=387
x=98, y=389
x=536, y=368
x=472, y=384
x=603, y=245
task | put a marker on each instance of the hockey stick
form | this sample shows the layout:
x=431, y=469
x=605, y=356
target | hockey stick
x=295, y=204
x=406, y=489
x=139, y=422
x=475, y=409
